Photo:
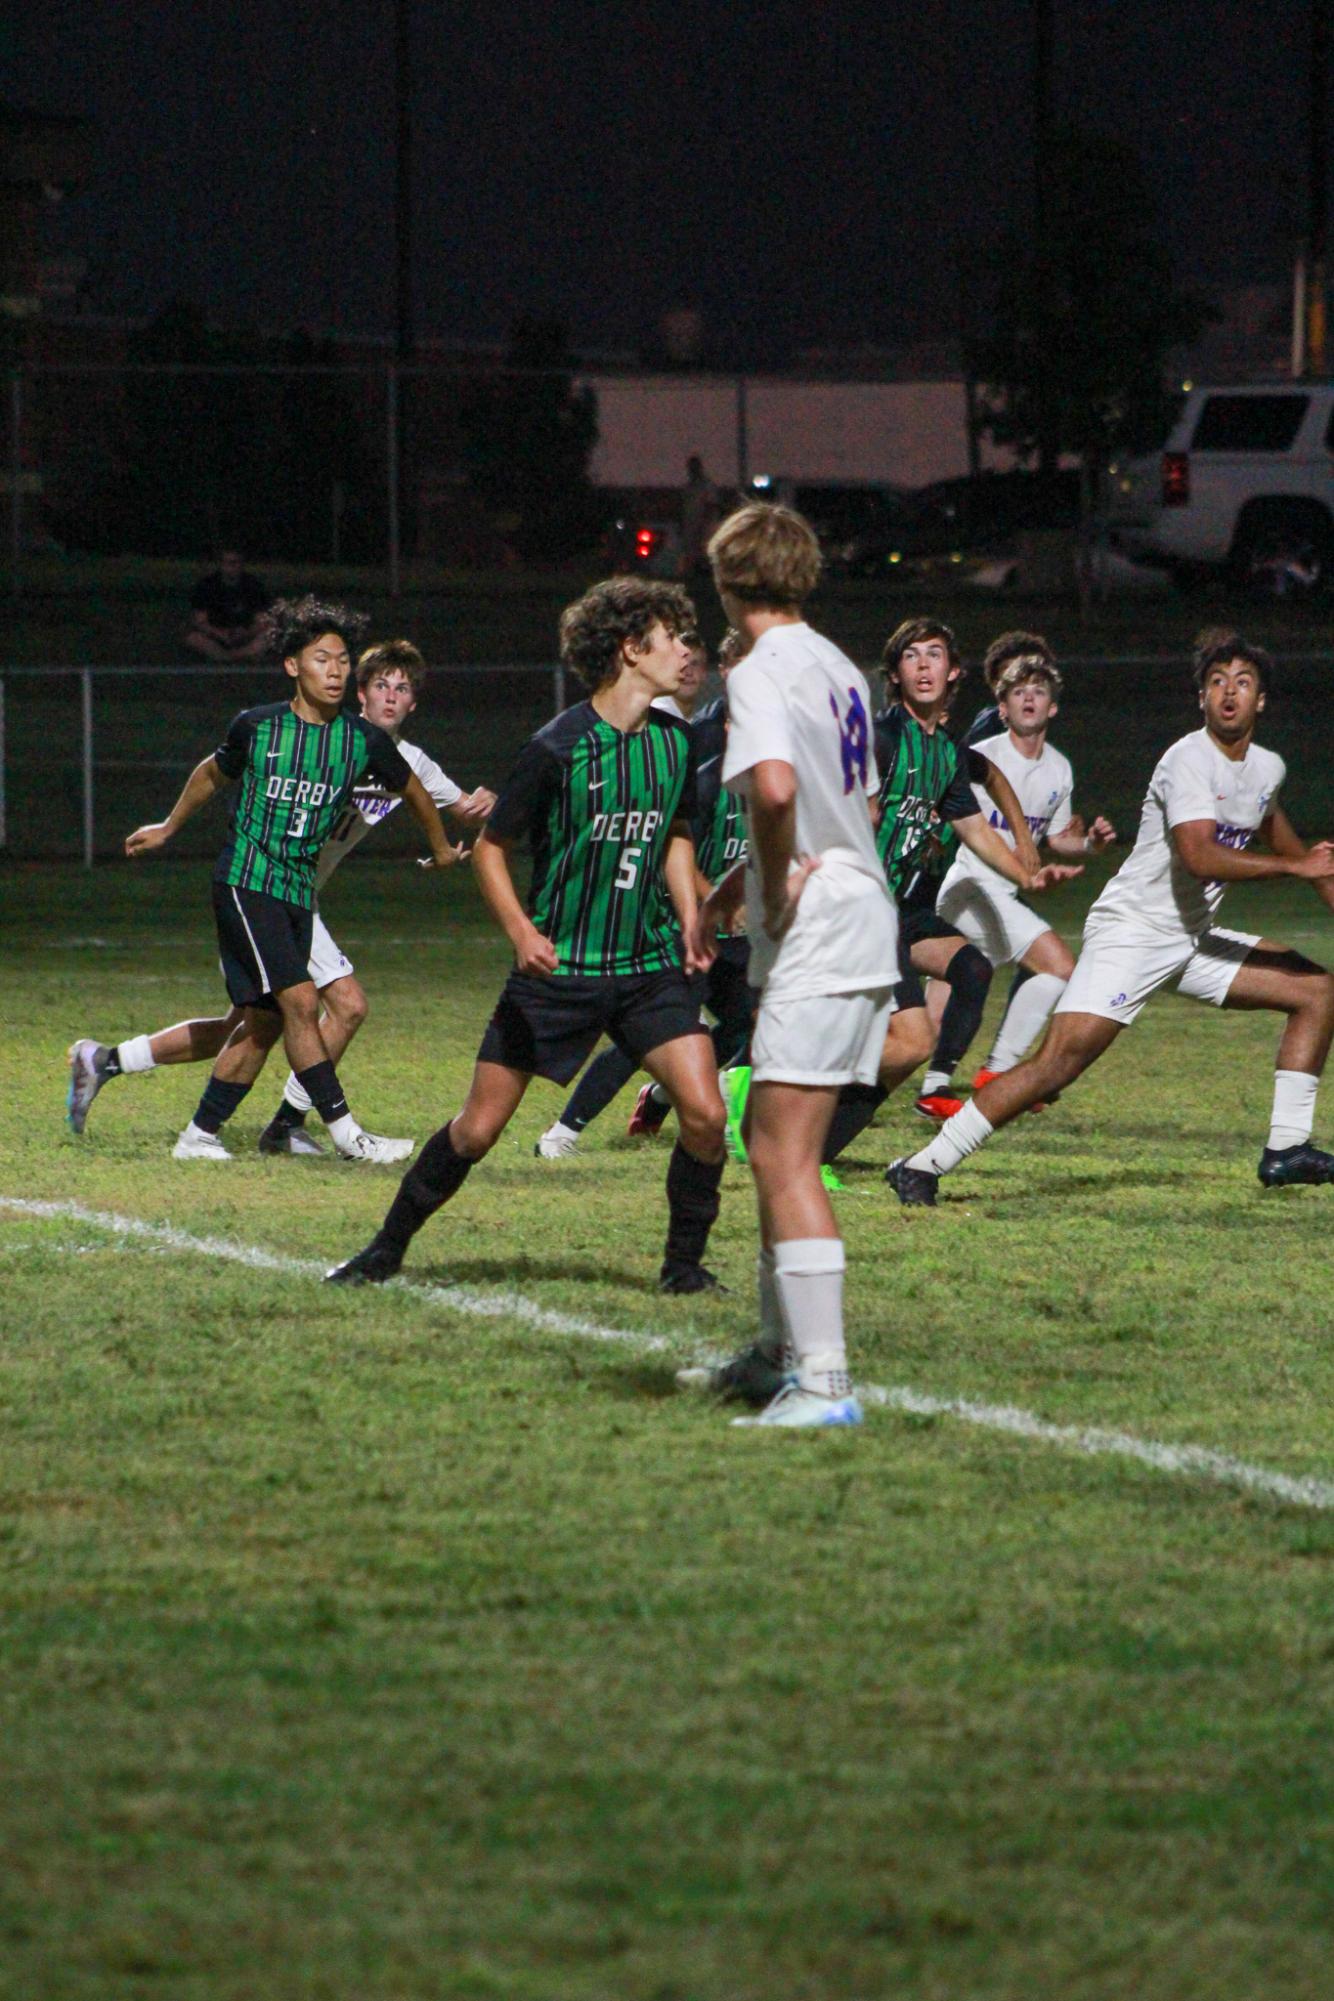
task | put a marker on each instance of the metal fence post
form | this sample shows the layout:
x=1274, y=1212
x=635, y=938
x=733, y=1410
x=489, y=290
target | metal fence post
x=391, y=456
x=15, y=475
x=86, y=680
x=558, y=686
x=742, y=435
x=2, y=760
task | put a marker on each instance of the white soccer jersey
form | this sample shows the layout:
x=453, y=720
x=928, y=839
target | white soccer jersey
x=669, y=706
x=1043, y=786
x=797, y=699
x=1193, y=781
x=370, y=804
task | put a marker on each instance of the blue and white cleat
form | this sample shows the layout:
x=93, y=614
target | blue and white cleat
x=85, y=1081
x=807, y=1410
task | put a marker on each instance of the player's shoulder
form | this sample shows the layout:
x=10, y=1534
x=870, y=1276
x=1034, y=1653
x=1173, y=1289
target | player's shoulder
x=1270, y=765
x=663, y=719
x=263, y=712
x=1192, y=751
x=559, y=737
x=1057, y=764
x=985, y=724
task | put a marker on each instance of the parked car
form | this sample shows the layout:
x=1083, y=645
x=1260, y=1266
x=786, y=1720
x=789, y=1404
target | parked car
x=1245, y=484
x=957, y=517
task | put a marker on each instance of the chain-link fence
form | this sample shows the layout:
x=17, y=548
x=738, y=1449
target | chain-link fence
x=88, y=753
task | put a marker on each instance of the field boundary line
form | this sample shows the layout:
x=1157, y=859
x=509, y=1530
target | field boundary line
x=1193, y=1462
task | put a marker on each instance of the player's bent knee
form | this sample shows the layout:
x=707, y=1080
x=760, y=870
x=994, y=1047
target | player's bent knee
x=702, y=1127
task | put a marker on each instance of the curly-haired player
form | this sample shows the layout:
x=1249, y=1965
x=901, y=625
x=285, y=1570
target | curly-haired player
x=603, y=796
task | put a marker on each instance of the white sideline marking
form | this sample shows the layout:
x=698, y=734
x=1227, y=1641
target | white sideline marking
x=1186, y=1461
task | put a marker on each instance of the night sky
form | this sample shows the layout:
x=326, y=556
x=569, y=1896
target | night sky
x=801, y=173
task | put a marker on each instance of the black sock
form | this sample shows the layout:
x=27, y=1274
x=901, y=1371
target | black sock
x=692, y=1205
x=857, y=1106
x=107, y=1062
x=287, y=1114
x=321, y=1085
x=969, y=980
x=605, y=1076
x=217, y=1104
x=437, y=1173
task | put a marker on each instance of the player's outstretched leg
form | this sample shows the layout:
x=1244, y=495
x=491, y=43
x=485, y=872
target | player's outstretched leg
x=94, y=1064
x=440, y=1170
x=684, y=1067
x=1272, y=976
x=1071, y=1044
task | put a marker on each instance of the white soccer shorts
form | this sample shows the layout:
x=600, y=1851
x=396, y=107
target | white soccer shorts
x=327, y=961
x=1000, y=926
x=823, y=1039
x=1120, y=967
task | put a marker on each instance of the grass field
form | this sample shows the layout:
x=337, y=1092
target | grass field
x=428, y=1644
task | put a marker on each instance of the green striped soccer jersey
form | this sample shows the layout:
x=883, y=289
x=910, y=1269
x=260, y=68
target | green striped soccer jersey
x=295, y=779
x=596, y=805
x=922, y=789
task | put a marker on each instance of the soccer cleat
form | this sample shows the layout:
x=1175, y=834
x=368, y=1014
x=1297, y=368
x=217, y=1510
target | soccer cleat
x=379, y=1261
x=680, y=1277
x=647, y=1117
x=830, y=1182
x=556, y=1142
x=752, y=1376
x=795, y=1407
x=196, y=1145
x=914, y=1186
x=378, y=1151
x=985, y=1077
x=279, y=1136
x=1286, y=1166
x=938, y=1105
x=736, y=1091
x=85, y=1081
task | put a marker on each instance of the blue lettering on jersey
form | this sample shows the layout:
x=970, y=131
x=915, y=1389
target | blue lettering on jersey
x=854, y=737
x=1232, y=837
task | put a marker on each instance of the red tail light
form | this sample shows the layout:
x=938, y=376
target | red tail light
x=646, y=541
x=1176, y=479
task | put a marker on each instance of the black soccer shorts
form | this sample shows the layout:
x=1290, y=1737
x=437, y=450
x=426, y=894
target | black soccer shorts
x=549, y=1027
x=263, y=944
x=918, y=920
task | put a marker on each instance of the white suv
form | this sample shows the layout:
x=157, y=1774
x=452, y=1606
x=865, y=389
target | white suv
x=1246, y=481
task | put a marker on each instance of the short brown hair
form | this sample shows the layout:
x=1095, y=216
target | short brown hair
x=914, y=632
x=1217, y=646
x=1014, y=646
x=1027, y=667
x=731, y=648
x=766, y=555
x=595, y=627
x=392, y=656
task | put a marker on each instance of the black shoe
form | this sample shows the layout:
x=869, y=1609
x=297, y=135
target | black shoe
x=1282, y=1166
x=378, y=1262
x=751, y=1377
x=914, y=1186
x=688, y=1278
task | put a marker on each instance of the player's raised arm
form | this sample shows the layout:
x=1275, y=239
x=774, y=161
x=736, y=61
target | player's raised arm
x=533, y=954
x=1006, y=801
x=989, y=847
x=1208, y=859
x=207, y=778
x=427, y=815
x=1279, y=834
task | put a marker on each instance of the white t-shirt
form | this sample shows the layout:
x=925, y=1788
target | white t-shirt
x=670, y=706
x=1193, y=781
x=1043, y=786
x=370, y=804
x=796, y=698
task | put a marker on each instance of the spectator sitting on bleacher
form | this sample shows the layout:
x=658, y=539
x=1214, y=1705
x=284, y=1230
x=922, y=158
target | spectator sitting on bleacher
x=228, y=610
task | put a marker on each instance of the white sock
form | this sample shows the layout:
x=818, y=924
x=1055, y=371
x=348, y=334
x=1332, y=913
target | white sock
x=934, y=1081
x=1024, y=1019
x=1294, y=1108
x=808, y=1272
x=658, y=1095
x=296, y=1094
x=344, y=1131
x=773, y=1328
x=136, y=1054
x=957, y=1138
